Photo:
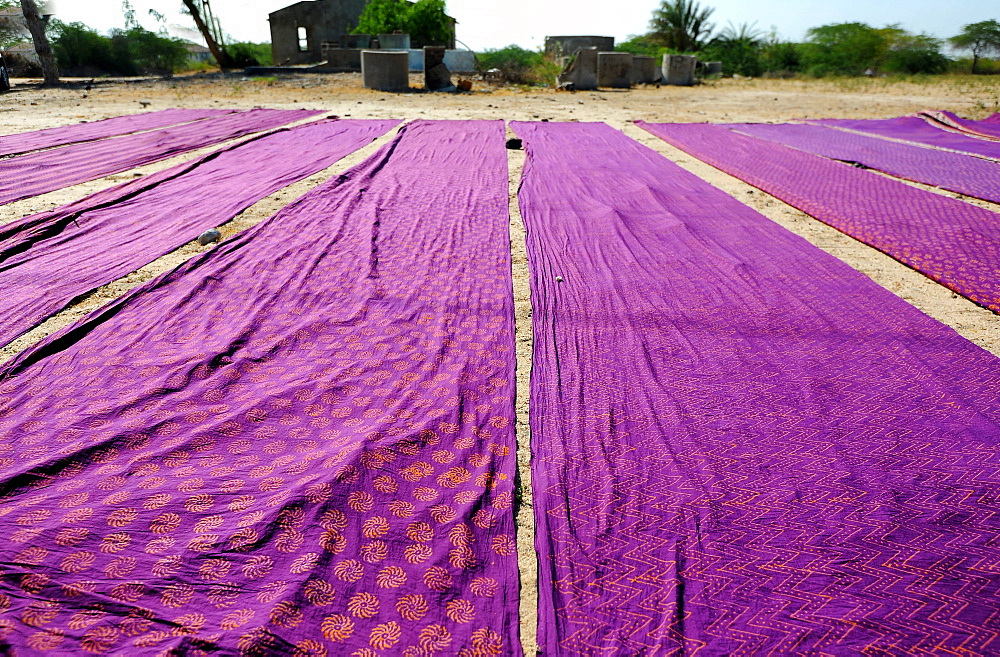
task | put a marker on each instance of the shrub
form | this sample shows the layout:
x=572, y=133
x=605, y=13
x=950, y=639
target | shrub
x=518, y=65
x=245, y=53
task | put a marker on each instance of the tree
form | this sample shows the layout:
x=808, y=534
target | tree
x=915, y=54
x=201, y=12
x=738, y=48
x=981, y=39
x=50, y=73
x=846, y=48
x=383, y=17
x=428, y=23
x=425, y=20
x=681, y=24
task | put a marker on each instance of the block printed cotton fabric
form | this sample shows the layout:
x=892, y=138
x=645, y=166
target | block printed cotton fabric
x=32, y=174
x=298, y=443
x=51, y=258
x=742, y=446
x=917, y=130
x=950, y=241
x=121, y=125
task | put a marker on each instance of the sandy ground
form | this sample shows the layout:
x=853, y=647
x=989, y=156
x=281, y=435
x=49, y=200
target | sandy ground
x=29, y=107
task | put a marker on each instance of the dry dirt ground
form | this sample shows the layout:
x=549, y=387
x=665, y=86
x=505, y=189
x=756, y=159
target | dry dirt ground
x=30, y=107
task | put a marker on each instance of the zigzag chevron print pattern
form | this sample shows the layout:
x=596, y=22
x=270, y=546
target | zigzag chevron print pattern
x=741, y=445
x=950, y=241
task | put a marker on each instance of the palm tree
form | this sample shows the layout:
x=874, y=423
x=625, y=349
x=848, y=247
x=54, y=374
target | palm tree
x=681, y=24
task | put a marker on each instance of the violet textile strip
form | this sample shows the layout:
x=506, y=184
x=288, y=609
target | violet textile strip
x=988, y=127
x=38, y=173
x=741, y=445
x=955, y=172
x=81, y=132
x=299, y=442
x=952, y=242
x=915, y=129
x=47, y=260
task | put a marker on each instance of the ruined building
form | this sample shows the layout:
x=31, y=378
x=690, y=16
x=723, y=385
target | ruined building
x=299, y=31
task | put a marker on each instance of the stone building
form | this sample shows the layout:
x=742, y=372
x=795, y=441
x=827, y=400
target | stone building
x=299, y=31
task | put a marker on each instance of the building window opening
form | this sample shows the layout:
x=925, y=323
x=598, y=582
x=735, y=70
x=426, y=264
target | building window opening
x=303, y=40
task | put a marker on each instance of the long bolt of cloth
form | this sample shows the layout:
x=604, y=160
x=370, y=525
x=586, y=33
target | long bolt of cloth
x=952, y=242
x=39, y=173
x=47, y=260
x=741, y=445
x=300, y=442
x=955, y=172
x=121, y=125
x=988, y=127
x=915, y=129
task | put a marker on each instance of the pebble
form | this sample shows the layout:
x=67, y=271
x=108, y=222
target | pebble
x=209, y=236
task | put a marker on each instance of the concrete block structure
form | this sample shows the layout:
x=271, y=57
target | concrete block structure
x=565, y=46
x=614, y=70
x=679, y=69
x=645, y=70
x=436, y=73
x=581, y=72
x=385, y=70
x=394, y=41
x=342, y=59
x=713, y=68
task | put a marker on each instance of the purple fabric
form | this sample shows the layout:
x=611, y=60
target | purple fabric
x=952, y=242
x=988, y=127
x=955, y=172
x=741, y=445
x=38, y=173
x=47, y=260
x=300, y=442
x=915, y=129
x=121, y=125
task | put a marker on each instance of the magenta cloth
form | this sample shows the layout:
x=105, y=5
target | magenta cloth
x=952, y=242
x=741, y=445
x=71, y=134
x=49, y=259
x=39, y=173
x=988, y=127
x=301, y=442
x=918, y=130
x=956, y=172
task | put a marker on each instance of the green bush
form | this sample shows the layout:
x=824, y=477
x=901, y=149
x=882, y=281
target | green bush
x=518, y=65
x=843, y=49
x=781, y=57
x=153, y=53
x=245, y=53
x=916, y=54
x=80, y=50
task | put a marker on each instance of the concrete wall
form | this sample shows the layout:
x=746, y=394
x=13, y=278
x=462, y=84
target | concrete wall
x=457, y=61
x=564, y=46
x=324, y=20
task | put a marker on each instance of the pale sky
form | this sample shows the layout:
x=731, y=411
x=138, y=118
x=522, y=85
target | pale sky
x=493, y=24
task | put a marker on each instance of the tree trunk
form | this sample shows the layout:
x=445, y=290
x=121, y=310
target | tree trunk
x=37, y=28
x=975, y=60
x=221, y=56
